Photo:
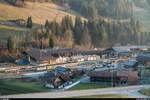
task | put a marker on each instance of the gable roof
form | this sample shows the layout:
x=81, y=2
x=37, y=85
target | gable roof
x=108, y=74
x=101, y=74
x=65, y=77
x=143, y=57
x=50, y=76
x=46, y=54
x=130, y=62
x=128, y=48
x=122, y=73
x=61, y=69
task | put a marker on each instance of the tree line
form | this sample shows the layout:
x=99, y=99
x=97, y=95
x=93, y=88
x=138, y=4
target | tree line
x=91, y=8
x=105, y=8
x=83, y=34
x=86, y=34
x=142, y=3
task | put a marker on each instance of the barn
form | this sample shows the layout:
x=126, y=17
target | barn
x=46, y=56
x=117, y=77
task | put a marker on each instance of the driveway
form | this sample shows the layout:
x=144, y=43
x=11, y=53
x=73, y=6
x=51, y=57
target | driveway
x=128, y=90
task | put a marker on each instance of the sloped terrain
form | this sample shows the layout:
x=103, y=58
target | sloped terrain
x=143, y=15
x=40, y=12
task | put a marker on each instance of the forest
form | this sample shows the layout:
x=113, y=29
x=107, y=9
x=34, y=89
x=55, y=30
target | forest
x=87, y=34
x=105, y=8
x=95, y=32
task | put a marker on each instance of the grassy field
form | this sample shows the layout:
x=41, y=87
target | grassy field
x=14, y=31
x=145, y=91
x=85, y=86
x=40, y=12
x=104, y=96
x=18, y=87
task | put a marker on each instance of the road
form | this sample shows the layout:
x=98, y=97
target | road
x=128, y=90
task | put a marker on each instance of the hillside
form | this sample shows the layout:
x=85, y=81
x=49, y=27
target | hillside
x=143, y=15
x=105, y=8
x=109, y=23
x=40, y=12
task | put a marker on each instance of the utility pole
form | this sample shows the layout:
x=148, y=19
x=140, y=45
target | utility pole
x=112, y=75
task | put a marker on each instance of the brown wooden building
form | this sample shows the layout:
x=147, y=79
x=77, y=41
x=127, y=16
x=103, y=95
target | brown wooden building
x=117, y=77
x=47, y=56
x=144, y=59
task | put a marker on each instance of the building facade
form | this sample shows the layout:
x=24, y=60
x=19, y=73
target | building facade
x=117, y=77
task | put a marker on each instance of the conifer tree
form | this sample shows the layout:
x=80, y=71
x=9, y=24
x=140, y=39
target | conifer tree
x=46, y=24
x=51, y=42
x=29, y=22
x=10, y=44
x=105, y=39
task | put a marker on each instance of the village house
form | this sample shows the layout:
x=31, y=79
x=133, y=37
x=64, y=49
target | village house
x=21, y=22
x=117, y=77
x=130, y=64
x=81, y=58
x=59, y=79
x=47, y=56
x=62, y=70
x=124, y=51
x=50, y=79
x=143, y=59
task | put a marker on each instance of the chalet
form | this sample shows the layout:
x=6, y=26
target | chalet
x=47, y=56
x=62, y=80
x=130, y=64
x=65, y=77
x=143, y=59
x=109, y=52
x=130, y=48
x=123, y=51
x=50, y=78
x=62, y=70
x=97, y=53
x=118, y=77
x=20, y=22
x=55, y=81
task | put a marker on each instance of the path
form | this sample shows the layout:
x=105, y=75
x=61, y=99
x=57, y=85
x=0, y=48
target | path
x=128, y=90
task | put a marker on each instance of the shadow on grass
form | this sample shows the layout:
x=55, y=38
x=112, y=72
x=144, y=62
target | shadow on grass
x=18, y=87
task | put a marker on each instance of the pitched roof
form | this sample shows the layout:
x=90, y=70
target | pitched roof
x=91, y=52
x=122, y=73
x=143, y=57
x=78, y=72
x=59, y=68
x=108, y=74
x=130, y=62
x=50, y=77
x=65, y=77
x=101, y=74
x=128, y=48
x=38, y=54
